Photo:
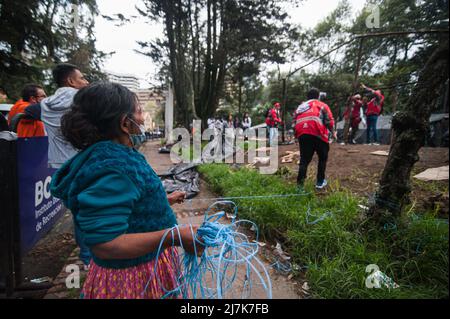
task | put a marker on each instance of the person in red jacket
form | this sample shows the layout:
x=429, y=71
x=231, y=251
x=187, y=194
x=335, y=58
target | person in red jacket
x=373, y=111
x=357, y=104
x=31, y=94
x=314, y=125
x=272, y=122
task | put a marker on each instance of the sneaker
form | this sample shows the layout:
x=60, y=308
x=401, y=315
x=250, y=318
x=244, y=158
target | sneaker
x=376, y=144
x=320, y=186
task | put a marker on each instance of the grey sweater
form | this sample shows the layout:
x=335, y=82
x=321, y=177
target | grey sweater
x=52, y=109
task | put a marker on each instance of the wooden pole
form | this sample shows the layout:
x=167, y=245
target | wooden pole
x=283, y=136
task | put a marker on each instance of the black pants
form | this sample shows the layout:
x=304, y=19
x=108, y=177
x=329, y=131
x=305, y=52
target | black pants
x=309, y=145
x=353, y=134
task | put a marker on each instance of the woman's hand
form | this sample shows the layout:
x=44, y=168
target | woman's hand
x=188, y=241
x=176, y=197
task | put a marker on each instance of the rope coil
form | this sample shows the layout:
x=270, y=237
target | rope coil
x=227, y=250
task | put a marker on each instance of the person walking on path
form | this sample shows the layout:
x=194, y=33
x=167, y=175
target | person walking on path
x=313, y=124
x=117, y=199
x=374, y=109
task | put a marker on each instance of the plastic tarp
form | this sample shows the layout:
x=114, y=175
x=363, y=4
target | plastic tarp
x=434, y=174
x=182, y=177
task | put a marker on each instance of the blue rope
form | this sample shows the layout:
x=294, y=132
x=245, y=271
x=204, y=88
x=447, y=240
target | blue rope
x=317, y=218
x=226, y=250
x=262, y=197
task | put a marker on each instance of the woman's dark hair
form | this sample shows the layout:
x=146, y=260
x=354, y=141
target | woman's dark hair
x=96, y=114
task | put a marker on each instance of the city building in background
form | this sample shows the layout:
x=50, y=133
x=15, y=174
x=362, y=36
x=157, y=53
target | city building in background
x=130, y=81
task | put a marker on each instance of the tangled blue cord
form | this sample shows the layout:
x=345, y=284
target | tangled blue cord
x=214, y=274
x=317, y=218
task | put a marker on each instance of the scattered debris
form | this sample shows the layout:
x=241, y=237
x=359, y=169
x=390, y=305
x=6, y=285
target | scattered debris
x=289, y=157
x=164, y=150
x=379, y=278
x=305, y=287
x=182, y=177
x=363, y=207
x=380, y=153
x=280, y=253
x=41, y=280
x=434, y=174
x=260, y=244
x=261, y=160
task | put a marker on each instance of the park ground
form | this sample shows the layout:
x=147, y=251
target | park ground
x=351, y=167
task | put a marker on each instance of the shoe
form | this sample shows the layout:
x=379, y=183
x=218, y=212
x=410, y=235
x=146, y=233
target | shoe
x=376, y=144
x=86, y=267
x=320, y=186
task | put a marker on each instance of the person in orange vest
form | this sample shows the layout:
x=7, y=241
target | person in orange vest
x=314, y=126
x=373, y=111
x=31, y=94
x=272, y=122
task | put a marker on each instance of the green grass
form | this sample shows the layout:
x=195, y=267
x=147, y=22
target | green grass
x=336, y=251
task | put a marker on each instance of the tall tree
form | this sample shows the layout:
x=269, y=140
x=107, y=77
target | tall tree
x=205, y=39
x=410, y=127
x=36, y=34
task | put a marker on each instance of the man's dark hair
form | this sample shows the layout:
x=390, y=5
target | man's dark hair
x=61, y=72
x=313, y=94
x=96, y=114
x=2, y=90
x=29, y=91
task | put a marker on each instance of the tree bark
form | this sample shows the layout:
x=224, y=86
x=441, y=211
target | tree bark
x=410, y=128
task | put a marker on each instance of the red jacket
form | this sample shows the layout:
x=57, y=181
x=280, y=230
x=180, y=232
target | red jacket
x=273, y=119
x=314, y=118
x=374, y=107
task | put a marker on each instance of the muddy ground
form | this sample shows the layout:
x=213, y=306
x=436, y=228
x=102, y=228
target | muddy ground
x=354, y=168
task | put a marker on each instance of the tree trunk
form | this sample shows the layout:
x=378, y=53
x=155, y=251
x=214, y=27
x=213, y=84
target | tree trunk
x=410, y=128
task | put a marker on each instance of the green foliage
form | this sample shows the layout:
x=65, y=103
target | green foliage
x=37, y=34
x=336, y=250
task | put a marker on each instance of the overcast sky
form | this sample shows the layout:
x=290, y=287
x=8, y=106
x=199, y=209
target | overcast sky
x=123, y=39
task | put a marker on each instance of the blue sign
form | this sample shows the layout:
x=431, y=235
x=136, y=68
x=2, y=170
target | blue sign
x=38, y=209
